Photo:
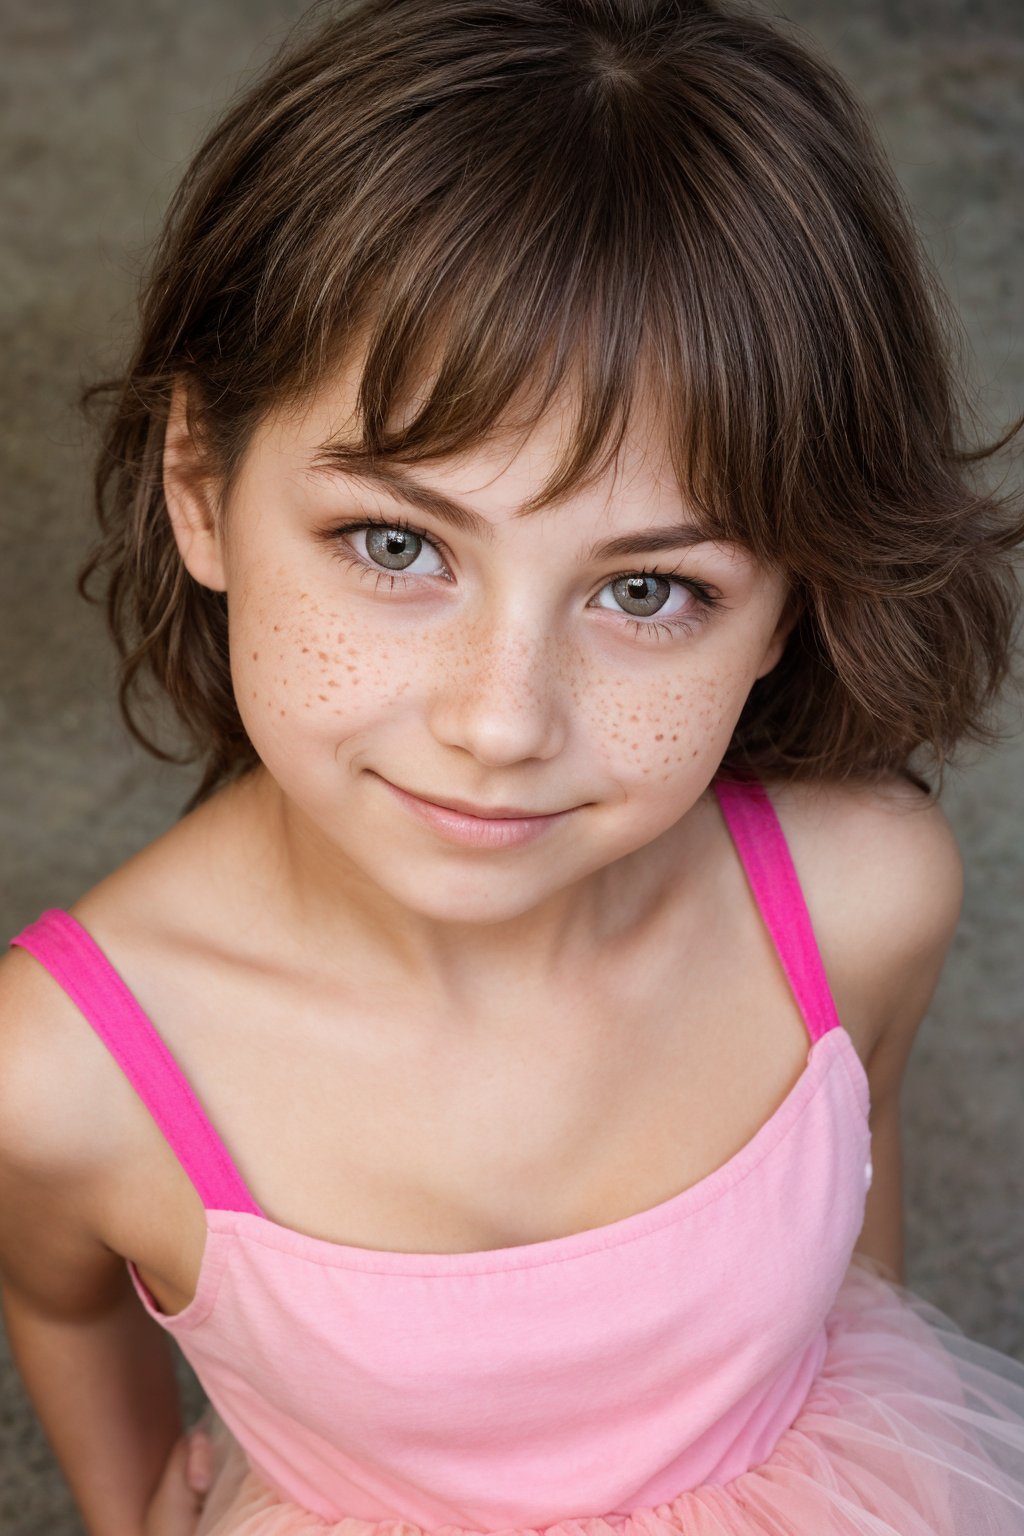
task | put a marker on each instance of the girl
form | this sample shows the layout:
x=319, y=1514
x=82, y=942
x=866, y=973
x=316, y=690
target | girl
x=538, y=488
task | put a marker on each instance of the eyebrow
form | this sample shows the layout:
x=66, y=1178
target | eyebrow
x=330, y=459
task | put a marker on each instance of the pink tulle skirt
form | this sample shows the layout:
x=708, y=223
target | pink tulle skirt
x=910, y=1429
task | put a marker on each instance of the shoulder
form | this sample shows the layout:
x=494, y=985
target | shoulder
x=883, y=849
x=51, y=1061
x=58, y=1136
x=71, y=1121
x=882, y=876
x=65, y=1102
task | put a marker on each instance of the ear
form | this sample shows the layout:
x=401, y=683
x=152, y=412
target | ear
x=187, y=492
x=791, y=611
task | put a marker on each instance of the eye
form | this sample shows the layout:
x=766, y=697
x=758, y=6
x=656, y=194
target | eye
x=651, y=590
x=390, y=546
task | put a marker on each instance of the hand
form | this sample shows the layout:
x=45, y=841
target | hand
x=177, y=1503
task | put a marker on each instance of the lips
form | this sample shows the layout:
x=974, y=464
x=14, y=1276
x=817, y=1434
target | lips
x=490, y=832
x=483, y=812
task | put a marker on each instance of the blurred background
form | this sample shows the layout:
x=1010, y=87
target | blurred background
x=102, y=105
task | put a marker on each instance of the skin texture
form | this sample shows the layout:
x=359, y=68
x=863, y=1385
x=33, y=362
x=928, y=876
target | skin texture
x=301, y=940
x=508, y=669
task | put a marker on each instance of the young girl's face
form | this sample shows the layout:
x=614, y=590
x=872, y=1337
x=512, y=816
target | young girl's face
x=477, y=657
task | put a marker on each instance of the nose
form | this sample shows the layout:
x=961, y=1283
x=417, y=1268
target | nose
x=502, y=696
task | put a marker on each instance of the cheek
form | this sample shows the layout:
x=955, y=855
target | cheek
x=669, y=725
x=299, y=666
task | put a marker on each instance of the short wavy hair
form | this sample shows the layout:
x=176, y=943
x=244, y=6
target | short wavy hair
x=499, y=196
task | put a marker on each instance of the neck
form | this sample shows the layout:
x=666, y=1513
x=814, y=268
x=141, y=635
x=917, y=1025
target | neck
x=327, y=916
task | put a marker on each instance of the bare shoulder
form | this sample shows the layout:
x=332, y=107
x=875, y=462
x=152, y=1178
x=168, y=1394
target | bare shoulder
x=65, y=1105
x=58, y=1129
x=882, y=850
x=882, y=876
x=52, y=1065
x=70, y=1119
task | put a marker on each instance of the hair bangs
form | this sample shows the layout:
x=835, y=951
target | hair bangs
x=468, y=336
x=616, y=211
x=642, y=257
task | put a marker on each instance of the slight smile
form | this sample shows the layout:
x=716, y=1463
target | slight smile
x=470, y=829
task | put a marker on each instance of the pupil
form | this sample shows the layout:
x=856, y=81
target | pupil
x=392, y=544
x=647, y=592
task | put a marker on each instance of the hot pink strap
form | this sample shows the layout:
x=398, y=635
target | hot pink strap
x=60, y=943
x=764, y=853
x=71, y=955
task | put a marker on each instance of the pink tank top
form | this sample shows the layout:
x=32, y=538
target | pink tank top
x=594, y=1374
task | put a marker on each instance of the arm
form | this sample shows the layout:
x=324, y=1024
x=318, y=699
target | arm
x=98, y=1371
x=883, y=877
x=881, y=1236
x=104, y=1390
x=920, y=899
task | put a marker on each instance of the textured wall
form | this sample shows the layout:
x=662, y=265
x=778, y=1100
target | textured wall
x=105, y=102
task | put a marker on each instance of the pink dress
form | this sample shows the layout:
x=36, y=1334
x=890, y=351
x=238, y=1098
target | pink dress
x=722, y=1364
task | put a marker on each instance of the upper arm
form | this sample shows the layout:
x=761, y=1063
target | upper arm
x=927, y=893
x=884, y=885
x=916, y=875
x=883, y=879
x=53, y=1146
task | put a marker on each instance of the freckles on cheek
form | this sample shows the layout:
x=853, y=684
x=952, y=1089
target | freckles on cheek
x=654, y=733
x=648, y=732
x=340, y=674
x=299, y=664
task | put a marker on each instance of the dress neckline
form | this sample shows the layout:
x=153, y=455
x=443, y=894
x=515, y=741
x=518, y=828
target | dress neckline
x=261, y=1230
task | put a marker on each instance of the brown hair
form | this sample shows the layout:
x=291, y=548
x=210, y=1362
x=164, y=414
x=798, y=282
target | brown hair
x=496, y=192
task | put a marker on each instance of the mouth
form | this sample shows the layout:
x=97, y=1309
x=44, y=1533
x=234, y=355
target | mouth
x=487, y=827
x=483, y=812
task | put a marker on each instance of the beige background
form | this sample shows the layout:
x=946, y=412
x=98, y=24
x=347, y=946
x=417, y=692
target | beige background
x=103, y=103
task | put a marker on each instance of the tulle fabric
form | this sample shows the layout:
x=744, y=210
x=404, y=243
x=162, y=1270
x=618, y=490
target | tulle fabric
x=910, y=1429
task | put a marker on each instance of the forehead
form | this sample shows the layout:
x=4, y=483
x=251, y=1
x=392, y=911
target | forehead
x=497, y=473
x=632, y=509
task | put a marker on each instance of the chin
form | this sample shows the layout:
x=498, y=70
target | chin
x=479, y=899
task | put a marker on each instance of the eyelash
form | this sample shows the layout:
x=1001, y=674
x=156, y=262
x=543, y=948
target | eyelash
x=701, y=591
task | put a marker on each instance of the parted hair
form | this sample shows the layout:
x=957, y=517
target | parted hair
x=500, y=197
